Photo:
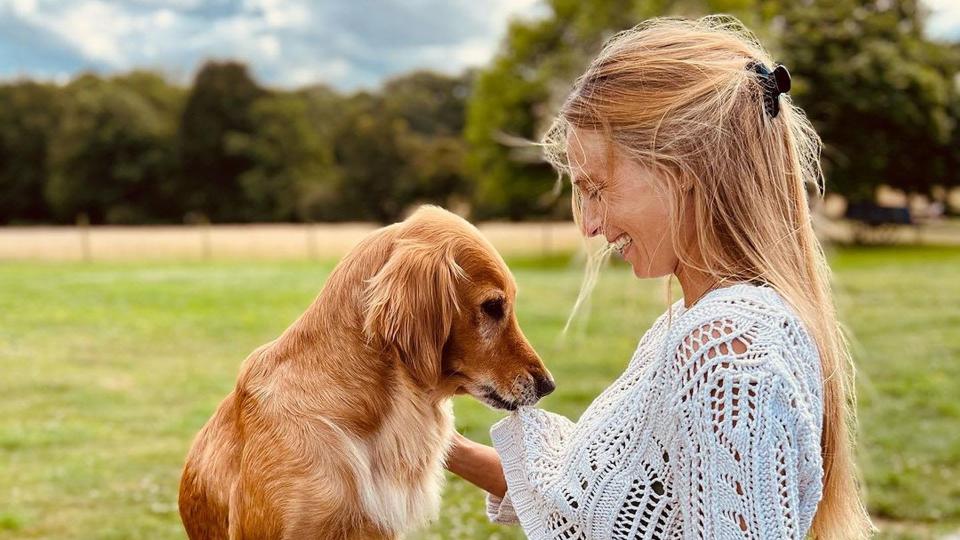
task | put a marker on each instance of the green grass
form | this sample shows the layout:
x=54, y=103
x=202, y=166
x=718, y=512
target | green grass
x=108, y=370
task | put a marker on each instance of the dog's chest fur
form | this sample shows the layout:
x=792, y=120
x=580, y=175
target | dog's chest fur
x=402, y=475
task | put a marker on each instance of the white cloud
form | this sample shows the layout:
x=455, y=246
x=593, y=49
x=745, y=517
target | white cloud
x=94, y=28
x=347, y=43
x=164, y=18
x=269, y=46
x=24, y=7
x=280, y=13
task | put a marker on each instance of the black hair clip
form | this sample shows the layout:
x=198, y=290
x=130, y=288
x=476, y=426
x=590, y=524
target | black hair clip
x=774, y=83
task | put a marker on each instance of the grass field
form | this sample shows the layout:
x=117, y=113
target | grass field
x=107, y=371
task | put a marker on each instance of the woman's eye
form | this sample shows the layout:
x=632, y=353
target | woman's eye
x=493, y=308
x=593, y=193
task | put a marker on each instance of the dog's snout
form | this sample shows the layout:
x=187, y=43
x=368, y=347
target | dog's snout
x=545, y=385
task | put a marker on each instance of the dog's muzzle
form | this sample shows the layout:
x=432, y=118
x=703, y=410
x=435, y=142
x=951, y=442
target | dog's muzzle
x=526, y=390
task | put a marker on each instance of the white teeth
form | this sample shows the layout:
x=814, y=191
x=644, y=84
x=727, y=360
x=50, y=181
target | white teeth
x=621, y=243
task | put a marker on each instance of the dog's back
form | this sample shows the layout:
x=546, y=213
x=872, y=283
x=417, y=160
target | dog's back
x=270, y=463
x=256, y=472
x=210, y=471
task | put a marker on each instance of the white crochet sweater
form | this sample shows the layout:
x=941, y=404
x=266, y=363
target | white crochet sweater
x=713, y=432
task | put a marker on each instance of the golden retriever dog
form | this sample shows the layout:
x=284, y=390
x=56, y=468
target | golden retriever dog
x=338, y=429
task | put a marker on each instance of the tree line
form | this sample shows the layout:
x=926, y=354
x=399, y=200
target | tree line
x=135, y=148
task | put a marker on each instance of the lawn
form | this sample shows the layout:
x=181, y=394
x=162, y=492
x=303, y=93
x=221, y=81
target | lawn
x=108, y=370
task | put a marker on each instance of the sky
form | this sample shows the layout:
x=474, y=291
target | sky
x=348, y=44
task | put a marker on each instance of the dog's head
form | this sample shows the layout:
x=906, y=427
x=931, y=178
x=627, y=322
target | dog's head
x=444, y=302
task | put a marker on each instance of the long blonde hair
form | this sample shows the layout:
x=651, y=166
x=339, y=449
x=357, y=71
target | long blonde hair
x=676, y=95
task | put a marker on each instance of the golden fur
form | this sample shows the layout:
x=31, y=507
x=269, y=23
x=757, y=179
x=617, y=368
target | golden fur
x=338, y=428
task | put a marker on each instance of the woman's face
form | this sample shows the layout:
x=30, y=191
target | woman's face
x=622, y=202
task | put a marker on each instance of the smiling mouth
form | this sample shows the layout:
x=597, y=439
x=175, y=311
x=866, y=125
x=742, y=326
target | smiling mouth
x=621, y=244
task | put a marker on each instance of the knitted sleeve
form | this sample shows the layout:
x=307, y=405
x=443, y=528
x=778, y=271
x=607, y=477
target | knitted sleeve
x=538, y=438
x=748, y=436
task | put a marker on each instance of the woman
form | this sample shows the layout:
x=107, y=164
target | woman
x=730, y=420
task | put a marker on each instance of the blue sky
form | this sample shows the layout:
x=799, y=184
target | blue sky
x=345, y=43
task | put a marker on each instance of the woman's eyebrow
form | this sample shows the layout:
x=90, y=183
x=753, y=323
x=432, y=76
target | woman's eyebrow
x=580, y=178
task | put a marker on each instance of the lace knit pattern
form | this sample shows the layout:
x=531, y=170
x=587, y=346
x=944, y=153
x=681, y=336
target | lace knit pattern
x=712, y=432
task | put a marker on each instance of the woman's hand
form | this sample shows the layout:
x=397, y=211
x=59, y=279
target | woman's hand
x=478, y=464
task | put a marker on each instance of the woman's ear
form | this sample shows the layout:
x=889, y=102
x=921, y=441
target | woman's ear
x=409, y=304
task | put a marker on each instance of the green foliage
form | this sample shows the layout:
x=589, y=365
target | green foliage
x=370, y=148
x=111, y=151
x=28, y=114
x=430, y=103
x=135, y=149
x=884, y=98
x=219, y=107
x=402, y=146
x=290, y=162
x=510, y=179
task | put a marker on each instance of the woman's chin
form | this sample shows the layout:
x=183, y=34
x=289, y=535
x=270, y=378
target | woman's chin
x=630, y=256
x=635, y=265
x=639, y=271
x=642, y=268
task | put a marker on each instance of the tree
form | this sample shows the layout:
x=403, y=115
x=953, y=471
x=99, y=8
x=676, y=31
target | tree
x=29, y=112
x=402, y=146
x=218, y=107
x=370, y=151
x=883, y=97
x=433, y=107
x=109, y=154
x=430, y=103
x=507, y=100
x=167, y=101
x=291, y=162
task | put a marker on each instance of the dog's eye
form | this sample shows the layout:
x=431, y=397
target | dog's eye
x=493, y=308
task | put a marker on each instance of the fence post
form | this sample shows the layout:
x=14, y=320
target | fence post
x=311, y=234
x=546, y=239
x=207, y=244
x=83, y=228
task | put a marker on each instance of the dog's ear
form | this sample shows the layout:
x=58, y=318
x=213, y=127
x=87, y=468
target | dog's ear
x=409, y=304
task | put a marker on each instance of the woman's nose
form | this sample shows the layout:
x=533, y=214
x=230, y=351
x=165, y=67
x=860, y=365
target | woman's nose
x=591, y=225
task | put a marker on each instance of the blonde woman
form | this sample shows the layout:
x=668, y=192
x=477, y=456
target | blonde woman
x=731, y=419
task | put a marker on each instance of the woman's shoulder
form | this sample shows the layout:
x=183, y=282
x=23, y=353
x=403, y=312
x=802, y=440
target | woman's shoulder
x=738, y=318
x=745, y=334
x=740, y=304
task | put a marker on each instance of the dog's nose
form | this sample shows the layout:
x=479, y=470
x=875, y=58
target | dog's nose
x=545, y=385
